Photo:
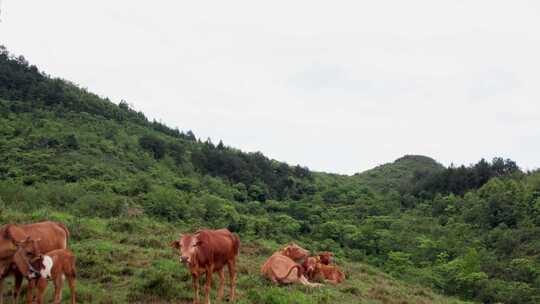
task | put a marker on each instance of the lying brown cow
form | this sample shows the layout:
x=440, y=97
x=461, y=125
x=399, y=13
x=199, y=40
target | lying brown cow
x=53, y=236
x=281, y=267
x=38, y=268
x=326, y=257
x=316, y=270
x=208, y=251
x=308, y=266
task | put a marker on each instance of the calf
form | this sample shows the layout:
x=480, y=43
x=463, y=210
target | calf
x=38, y=268
x=315, y=269
x=53, y=236
x=281, y=265
x=326, y=257
x=330, y=274
x=208, y=251
x=309, y=264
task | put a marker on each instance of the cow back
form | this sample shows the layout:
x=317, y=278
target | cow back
x=52, y=235
x=217, y=247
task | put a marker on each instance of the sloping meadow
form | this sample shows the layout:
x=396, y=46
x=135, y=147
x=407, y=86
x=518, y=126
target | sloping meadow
x=127, y=259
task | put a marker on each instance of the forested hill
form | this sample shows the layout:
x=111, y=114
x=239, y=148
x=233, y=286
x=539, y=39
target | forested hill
x=401, y=174
x=126, y=185
x=252, y=174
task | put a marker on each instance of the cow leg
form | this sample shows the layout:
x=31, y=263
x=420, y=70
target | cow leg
x=196, y=288
x=208, y=285
x=232, y=278
x=221, y=284
x=17, y=287
x=71, y=282
x=2, y=291
x=42, y=287
x=58, y=285
x=29, y=292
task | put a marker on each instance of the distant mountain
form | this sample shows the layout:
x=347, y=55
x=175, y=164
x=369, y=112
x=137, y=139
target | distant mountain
x=401, y=174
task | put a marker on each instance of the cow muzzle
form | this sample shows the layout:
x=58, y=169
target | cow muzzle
x=33, y=273
x=184, y=259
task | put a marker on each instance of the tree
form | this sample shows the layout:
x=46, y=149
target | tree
x=71, y=142
x=154, y=145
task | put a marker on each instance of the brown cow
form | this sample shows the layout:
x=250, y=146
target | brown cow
x=326, y=257
x=308, y=266
x=281, y=267
x=315, y=269
x=56, y=265
x=53, y=236
x=207, y=251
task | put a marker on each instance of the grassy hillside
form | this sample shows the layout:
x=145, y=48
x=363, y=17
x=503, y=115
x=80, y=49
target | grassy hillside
x=126, y=259
x=126, y=186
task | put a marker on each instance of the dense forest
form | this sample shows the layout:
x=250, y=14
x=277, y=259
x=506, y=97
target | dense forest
x=471, y=232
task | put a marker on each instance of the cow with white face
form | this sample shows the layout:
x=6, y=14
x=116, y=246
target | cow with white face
x=52, y=235
x=38, y=268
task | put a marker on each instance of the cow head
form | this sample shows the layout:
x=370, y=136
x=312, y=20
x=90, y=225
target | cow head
x=28, y=257
x=310, y=263
x=295, y=252
x=326, y=257
x=10, y=235
x=187, y=247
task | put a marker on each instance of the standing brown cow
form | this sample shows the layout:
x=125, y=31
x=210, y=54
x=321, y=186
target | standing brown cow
x=207, y=251
x=53, y=236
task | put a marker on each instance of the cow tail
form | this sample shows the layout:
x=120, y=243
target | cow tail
x=66, y=230
x=236, y=244
x=299, y=272
x=74, y=267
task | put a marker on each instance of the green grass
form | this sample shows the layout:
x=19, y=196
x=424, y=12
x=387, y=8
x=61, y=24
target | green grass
x=127, y=260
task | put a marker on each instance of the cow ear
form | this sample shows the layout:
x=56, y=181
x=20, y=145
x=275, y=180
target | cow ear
x=175, y=244
x=15, y=233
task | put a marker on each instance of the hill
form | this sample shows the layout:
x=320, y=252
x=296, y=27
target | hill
x=401, y=174
x=125, y=186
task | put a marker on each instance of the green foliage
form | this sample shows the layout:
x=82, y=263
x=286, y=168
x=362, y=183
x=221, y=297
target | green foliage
x=154, y=145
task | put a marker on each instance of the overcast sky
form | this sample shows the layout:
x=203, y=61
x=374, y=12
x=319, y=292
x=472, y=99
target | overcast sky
x=338, y=86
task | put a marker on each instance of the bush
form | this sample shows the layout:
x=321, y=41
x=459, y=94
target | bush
x=101, y=205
